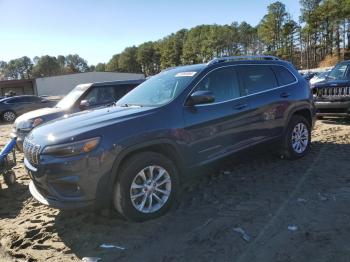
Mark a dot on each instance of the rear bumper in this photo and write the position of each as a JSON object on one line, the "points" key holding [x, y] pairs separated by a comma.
{"points": [[332, 108]]}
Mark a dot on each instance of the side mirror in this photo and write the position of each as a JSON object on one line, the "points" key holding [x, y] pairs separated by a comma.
{"points": [[200, 97], [84, 104]]}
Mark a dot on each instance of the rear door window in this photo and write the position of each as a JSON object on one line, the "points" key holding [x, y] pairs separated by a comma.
{"points": [[257, 78], [284, 76], [19, 100]]}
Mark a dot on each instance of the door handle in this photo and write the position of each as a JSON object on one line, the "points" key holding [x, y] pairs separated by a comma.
{"points": [[285, 95], [240, 106]]}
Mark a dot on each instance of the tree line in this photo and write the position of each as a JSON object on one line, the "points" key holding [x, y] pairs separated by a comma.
{"points": [[322, 31], [25, 68]]}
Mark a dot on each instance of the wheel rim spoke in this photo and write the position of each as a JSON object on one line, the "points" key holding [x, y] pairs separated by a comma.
{"points": [[163, 182], [160, 175], [133, 197], [142, 205], [136, 186], [164, 192], [150, 201], [143, 175], [151, 170], [157, 198]]}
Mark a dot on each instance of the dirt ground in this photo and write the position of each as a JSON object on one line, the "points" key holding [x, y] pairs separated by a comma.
{"points": [[289, 210]]}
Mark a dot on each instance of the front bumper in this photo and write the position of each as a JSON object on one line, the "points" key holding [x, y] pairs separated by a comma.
{"points": [[67, 183], [56, 203], [333, 108]]}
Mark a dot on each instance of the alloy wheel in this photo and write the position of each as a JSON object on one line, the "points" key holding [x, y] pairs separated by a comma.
{"points": [[9, 116], [300, 138], [150, 189]]}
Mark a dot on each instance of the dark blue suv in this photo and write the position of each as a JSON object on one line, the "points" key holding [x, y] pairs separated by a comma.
{"points": [[133, 155]]}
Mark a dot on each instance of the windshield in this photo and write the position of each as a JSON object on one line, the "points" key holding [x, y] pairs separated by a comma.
{"points": [[339, 72], [70, 99], [159, 89]]}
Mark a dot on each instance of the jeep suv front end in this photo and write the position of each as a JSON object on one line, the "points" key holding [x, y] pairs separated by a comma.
{"points": [[332, 96]]}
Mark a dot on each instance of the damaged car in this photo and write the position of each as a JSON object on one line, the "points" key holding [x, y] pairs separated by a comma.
{"points": [[133, 156]]}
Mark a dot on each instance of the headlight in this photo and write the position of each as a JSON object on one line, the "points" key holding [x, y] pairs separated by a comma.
{"points": [[28, 124], [37, 121], [72, 149]]}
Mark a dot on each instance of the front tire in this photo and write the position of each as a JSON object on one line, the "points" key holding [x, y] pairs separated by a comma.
{"points": [[146, 187], [297, 138]]}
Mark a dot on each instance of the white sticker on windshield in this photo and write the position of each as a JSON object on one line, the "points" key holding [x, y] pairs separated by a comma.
{"points": [[185, 74]]}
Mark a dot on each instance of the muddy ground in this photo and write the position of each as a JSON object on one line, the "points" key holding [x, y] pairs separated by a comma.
{"points": [[254, 191]]}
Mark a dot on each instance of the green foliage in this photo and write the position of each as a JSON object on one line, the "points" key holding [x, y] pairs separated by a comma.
{"points": [[20, 68], [127, 61], [271, 26], [100, 67], [113, 63], [75, 64], [171, 49], [148, 56], [46, 66]]}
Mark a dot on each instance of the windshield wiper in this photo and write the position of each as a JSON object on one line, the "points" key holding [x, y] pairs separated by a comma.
{"points": [[129, 105]]}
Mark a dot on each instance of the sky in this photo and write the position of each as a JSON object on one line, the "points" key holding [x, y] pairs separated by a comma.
{"points": [[98, 29]]}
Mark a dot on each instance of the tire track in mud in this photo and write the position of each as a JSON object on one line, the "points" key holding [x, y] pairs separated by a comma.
{"points": [[321, 137], [252, 192]]}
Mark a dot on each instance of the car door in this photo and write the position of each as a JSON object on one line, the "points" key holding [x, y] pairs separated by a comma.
{"points": [[267, 97], [20, 105], [217, 128], [35, 103]]}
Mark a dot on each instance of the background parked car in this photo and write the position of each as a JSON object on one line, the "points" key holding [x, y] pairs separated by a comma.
{"points": [[332, 96], [319, 77], [308, 75], [11, 107], [82, 97]]}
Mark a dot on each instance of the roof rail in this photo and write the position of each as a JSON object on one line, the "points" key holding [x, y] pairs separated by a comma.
{"points": [[237, 58]]}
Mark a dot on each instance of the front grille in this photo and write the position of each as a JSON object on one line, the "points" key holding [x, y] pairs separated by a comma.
{"points": [[333, 92], [31, 152]]}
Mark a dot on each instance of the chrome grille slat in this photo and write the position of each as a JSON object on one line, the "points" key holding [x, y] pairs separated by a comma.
{"points": [[31, 152], [334, 92]]}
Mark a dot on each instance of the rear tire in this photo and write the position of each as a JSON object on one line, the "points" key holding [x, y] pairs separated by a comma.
{"points": [[9, 116], [297, 138], [146, 187], [10, 178]]}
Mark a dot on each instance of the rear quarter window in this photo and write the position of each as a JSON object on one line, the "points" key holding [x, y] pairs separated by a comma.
{"points": [[284, 76], [257, 78]]}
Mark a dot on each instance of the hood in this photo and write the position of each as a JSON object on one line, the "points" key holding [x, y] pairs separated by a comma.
{"points": [[75, 126], [331, 83], [47, 114]]}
